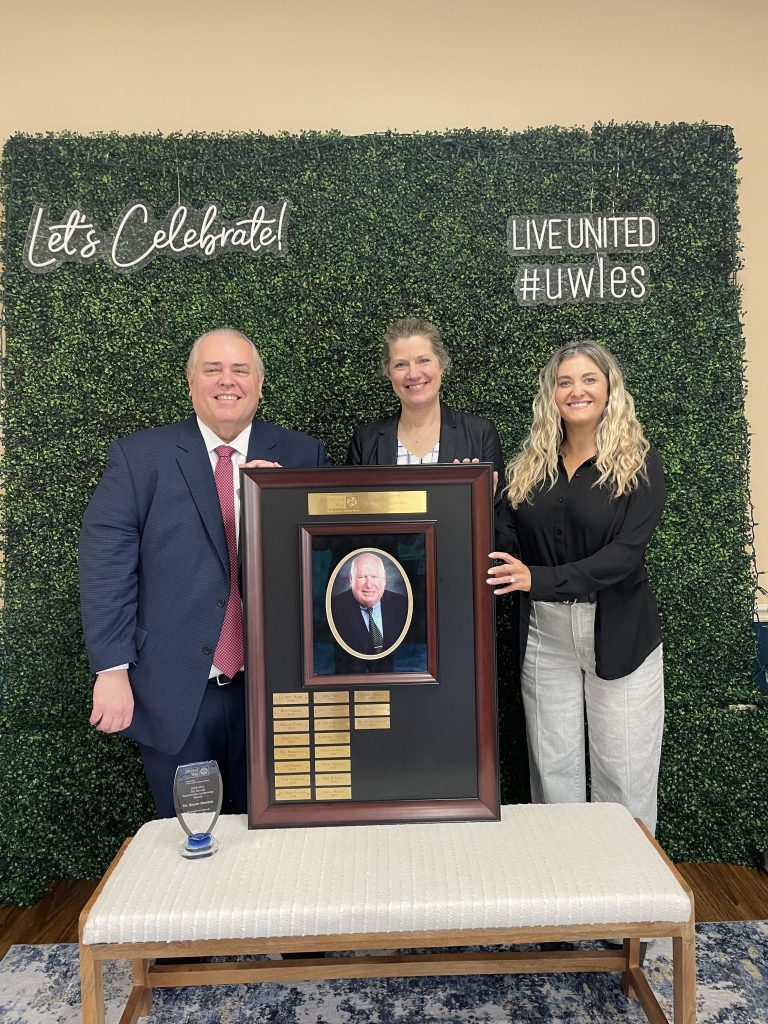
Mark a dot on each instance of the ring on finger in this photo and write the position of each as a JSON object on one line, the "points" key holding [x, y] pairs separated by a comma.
{"points": [[511, 579]]}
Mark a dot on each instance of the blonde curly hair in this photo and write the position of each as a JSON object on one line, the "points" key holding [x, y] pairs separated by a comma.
{"points": [[621, 444]]}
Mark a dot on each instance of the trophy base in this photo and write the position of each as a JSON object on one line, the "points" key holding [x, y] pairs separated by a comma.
{"points": [[201, 844]]}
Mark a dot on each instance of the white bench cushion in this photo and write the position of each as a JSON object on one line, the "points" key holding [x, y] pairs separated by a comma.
{"points": [[563, 864]]}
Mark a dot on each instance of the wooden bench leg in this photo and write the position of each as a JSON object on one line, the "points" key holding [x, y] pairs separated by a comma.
{"points": [[684, 976], [632, 955], [141, 990], [91, 987]]}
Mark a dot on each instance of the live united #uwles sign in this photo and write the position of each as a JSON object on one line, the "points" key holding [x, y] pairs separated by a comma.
{"points": [[598, 234], [138, 236]]}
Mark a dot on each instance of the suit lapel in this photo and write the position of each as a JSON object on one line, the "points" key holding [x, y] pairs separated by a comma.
{"points": [[386, 445], [195, 465], [263, 442], [447, 434]]}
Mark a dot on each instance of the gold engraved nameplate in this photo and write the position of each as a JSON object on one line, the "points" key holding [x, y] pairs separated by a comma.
{"points": [[334, 779], [292, 780], [335, 793], [332, 697], [331, 737], [291, 711], [372, 709], [293, 794], [286, 739], [291, 725], [333, 752], [371, 696], [371, 723], [284, 767], [291, 753], [332, 766], [290, 698], [355, 503], [331, 711], [329, 724]]}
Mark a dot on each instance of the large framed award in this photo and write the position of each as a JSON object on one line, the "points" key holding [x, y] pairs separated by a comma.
{"points": [[370, 645]]}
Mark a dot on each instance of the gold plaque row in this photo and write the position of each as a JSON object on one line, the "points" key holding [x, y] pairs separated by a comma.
{"points": [[355, 503]]}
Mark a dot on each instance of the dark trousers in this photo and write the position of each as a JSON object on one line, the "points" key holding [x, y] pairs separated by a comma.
{"points": [[217, 735]]}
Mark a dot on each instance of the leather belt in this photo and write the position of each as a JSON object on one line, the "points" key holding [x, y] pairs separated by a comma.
{"points": [[585, 599], [224, 680]]}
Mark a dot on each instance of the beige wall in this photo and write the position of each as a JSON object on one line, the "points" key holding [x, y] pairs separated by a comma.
{"points": [[410, 65]]}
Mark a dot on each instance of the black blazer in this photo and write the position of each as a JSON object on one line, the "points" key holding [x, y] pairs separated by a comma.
{"points": [[462, 436]]}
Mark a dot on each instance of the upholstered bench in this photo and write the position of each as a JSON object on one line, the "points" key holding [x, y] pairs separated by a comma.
{"points": [[542, 874]]}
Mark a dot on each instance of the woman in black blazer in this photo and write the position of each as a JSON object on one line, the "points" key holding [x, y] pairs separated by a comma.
{"points": [[424, 431]]}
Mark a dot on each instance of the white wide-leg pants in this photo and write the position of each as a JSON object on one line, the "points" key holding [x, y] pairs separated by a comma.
{"points": [[625, 717]]}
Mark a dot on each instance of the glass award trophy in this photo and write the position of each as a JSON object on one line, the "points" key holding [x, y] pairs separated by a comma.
{"points": [[197, 793]]}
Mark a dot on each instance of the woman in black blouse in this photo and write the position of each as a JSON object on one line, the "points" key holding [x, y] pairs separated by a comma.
{"points": [[585, 495], [424, 430]]}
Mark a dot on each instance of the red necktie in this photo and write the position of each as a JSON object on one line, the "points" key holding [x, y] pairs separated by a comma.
{"points": [[229, 650]]}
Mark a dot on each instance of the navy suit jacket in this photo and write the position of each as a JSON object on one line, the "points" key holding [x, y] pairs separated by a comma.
{"points": [[352, 628], [154, 569]]}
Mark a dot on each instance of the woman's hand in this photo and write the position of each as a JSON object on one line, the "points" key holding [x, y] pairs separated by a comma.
{"points": [[495, 473], [511, 575]]}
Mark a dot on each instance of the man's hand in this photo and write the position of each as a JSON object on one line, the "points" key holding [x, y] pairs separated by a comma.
{"points": [[260, 464], [112, 701]]}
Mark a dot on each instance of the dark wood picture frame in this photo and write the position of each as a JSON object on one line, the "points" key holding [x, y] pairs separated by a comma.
{"points": [[348, 530], [432, 755]]}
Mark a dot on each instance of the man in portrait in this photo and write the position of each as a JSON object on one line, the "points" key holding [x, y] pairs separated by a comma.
{"points": [[368, 617], [159, 571]]}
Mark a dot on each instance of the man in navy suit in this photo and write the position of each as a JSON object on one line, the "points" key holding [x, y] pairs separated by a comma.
{"points": [[155, 575], [369, 618]]}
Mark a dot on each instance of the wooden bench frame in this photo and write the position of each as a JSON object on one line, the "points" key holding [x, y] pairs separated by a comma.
{"points": [[148, 975]]}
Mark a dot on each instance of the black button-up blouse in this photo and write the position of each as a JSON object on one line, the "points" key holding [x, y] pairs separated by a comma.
{"points": [[578, 541]]}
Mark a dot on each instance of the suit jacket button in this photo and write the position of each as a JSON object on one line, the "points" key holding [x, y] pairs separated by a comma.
{"points": [[206, 650], [220, 604]]}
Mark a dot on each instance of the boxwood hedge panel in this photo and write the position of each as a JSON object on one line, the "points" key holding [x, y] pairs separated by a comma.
{"points": [[380, 227]]}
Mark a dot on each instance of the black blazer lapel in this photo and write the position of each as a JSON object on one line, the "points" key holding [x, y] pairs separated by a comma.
{"points": [[447, 434], [386, 444], [195, 465]]}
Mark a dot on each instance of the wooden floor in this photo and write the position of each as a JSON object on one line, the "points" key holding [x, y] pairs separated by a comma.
{"points": [[723, 892]]}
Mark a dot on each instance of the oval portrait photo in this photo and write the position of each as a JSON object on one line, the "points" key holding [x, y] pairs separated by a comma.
{"points": [[369, 603]]}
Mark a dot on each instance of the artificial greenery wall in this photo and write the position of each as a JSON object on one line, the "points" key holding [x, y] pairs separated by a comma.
{"points": [[380, 227]]}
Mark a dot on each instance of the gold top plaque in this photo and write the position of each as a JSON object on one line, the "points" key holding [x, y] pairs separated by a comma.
{"points": [[290, 698], [332, 697], [332, 711], [371, 696], [355, 503]]}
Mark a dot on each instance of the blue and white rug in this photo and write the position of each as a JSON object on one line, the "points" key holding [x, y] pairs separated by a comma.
{"points": [[39, 985]]}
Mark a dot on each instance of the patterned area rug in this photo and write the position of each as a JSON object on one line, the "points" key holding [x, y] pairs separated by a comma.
{"points": [[39, 985]]}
